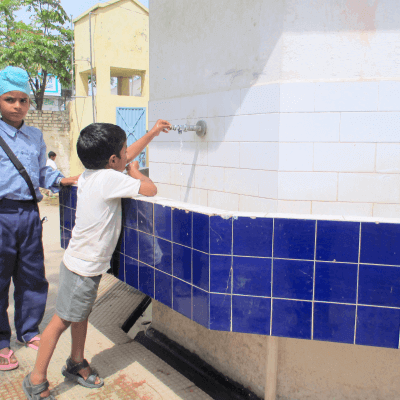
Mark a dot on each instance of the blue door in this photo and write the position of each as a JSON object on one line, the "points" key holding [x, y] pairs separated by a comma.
{"points": [[133, 122]]}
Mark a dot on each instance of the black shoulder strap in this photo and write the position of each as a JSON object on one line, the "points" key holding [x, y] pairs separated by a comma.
{"points": [[21, 169]]}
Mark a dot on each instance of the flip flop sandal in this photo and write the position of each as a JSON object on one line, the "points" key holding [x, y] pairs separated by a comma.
{"points": [[10, 365], [29, 344], [70, 371], [33, 392]]}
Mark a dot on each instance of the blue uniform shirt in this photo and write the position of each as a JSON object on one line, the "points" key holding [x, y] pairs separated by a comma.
{"points": [[28, 145]]}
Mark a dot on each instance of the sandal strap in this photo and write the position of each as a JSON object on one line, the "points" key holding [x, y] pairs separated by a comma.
{"points": [[91, 379], [74, 368], [38, 389], [8, 356]]}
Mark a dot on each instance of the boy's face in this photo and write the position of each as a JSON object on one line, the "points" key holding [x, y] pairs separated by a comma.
{"points": [[119, 164], [14, 106]]}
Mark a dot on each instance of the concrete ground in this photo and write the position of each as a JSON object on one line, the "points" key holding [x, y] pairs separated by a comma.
{"points": [[130, 371]]}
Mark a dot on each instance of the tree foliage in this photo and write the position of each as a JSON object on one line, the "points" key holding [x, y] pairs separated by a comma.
{"points": [[42, 47]]}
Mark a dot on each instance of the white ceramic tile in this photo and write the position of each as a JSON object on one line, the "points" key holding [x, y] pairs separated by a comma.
{"points": [[183, 175], [194, 196], [386, 210], [344, 157], [346, 96], [168, 109], [295, 157], [307, 186], [369, 188], [223, 201], [269, 127], [194, 106], [389, 96], [257, 155], [223, 104], [215, 130], [388, 158], [160, 172], [168, 191], [309, 127], [167, 152], [256, 204], [370, 127], [294, 207], [209, 178], [243, 128], [223, 154], [341, 208], [241, 181], [260, 99], [195, 153], [268, 184], [297, 97]]}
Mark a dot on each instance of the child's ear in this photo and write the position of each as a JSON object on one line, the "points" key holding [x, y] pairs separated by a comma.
{"points": [[111, 161]]}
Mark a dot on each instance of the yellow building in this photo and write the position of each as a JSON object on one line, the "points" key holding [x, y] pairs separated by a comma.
{"points": [[112, 46]]}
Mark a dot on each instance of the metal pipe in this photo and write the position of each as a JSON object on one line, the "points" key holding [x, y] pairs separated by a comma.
{"points": [[91, 65], [200, 128]]}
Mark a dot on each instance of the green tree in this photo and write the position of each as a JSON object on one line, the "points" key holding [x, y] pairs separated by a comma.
{"points": [[42, 47]]}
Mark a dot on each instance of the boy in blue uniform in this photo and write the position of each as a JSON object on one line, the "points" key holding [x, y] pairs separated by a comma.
{"points": [[21, 248]]}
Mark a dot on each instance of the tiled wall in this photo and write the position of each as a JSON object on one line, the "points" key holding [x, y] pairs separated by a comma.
{"points": [[330, 280], [309, 148]]}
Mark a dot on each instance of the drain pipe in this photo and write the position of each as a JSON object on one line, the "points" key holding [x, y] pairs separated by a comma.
{"points": [[91, 64], [272, 368]]}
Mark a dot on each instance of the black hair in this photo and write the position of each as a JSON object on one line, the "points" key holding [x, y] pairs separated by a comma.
{"points": [[98, 142], [51, 154]]}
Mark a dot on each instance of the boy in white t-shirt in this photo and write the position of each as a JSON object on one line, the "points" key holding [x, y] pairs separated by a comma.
{"points": [[102, 150]]}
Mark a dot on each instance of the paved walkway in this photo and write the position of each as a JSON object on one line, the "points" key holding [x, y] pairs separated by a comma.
{"points": [[130, 370]]}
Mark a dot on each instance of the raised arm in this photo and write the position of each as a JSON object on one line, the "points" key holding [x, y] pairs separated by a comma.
{"points": [[136, 148], [147, 187]]}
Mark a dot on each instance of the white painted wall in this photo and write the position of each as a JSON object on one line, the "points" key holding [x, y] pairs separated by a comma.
{"points": [[301, 99]]}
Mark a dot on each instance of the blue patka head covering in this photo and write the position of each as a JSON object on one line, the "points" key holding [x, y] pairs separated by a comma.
{"points": [[14, 78]]}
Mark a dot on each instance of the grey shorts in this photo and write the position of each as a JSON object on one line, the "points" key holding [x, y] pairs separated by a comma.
{"points": [[76, 295]]}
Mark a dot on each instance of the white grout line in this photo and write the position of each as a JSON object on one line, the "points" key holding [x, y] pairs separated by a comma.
{"points": [[358, 276]]}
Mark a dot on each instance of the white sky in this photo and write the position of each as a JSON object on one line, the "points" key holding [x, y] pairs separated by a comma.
{"points": [[77, 7]]}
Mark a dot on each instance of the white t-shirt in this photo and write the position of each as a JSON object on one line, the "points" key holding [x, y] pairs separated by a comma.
{"points": [[98, 220], [51, 163]]}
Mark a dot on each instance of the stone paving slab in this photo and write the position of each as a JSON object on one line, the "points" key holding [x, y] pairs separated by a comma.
{"points": [[130, 371]]}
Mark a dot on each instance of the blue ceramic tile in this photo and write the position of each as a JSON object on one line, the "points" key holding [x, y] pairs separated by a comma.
{"points": [[74, 196], [201, 232], [252, 237], [61, 196], [131, 243], [182, 227], [201, 270], [293, 279], [220, 312], [201, 307], [220, 235], [251, 314], [162, 221], [120, 247], [61, 212], [294, 238], [62, 238], [145, 217], [338, 241], [121, 266], [182, 298], [73, 216], [252, 276], [378, 327], [67, 237], [146, 248], [182, 263], [380, 243], [220, 274], [291, 318], [68, 218], [163, 284], [163, 255], [132, 272], [379, 285], [336, 282], [129, 207], [66, 196], [146, 279], [334, 322]]}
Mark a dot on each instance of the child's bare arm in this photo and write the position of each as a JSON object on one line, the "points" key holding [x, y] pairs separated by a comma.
{"points": [[147, 187], [135, 148]]}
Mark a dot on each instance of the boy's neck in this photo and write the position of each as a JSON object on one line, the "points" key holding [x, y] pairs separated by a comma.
{"points": [[15, 125]]}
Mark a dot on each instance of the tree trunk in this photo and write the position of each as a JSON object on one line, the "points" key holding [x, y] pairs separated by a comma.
{"points": [[39, 95]]}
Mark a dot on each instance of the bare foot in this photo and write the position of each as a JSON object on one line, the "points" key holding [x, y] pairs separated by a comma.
{"points": [[4, 361], [34, 342]]}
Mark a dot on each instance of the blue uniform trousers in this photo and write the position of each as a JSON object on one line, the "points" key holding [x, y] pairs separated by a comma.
{"points": [[21, 257]]}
